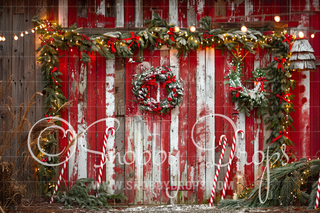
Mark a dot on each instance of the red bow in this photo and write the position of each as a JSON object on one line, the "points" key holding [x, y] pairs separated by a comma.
{"points": [[236, 89], [110, 42], [261, 80], [281, 134], [284, 97], [48, 116], [134, 39], [288, 39], [170, 33], [54, 69], [168, 81], [280, 62]]}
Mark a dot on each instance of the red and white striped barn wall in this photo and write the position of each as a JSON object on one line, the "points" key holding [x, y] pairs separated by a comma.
{"points": [[158, 150]]}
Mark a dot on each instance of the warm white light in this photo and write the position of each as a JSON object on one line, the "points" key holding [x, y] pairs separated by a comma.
{"points": [[32, 30], [26, 32], [277, 18], [192, 29], [15, 37], [301, 34], [312, 35], [176, 29], [0, 38], [244, 29], [21, 34], [3, 38]]}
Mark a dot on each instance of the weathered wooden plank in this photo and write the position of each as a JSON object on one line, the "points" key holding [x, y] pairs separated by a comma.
{"points": [[138, 140], [129, 135], [77, 82], [165, 136], [200, 10], [110, 14], [120, 134], [250, 125], [192, 110], [148, 139], [129, 13], [138, 13], [173, 12], [72, 12], [101, 106], [191, 13], [63, 13], [156, 137], [82, 17], [91, 13], [147, 10], [248, 9], [101, 12], [174, 158], [63, 68], [18, 82], [200, 129], [110, 113], [183, 127], [91, 114], [235, 11], [119, 13], [210, 121], [182, 15]]}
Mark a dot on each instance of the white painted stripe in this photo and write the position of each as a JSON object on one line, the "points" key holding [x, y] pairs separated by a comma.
{"points": [[82, 125], [305, 115], [101, 10], [63, 13], [119, 13], [174, 161], [139, 13], [173, 12], [210, 121], [110, 112], [138, 141], [200, 132]]}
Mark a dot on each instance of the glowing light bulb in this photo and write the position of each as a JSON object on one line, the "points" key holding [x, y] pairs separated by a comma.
{"points": [[26, 32], [192, 29], [176, 29], [21, 34], [301, 34], [244, 29], [277, 18], [15, 37], [32, 30], [312, 35]]}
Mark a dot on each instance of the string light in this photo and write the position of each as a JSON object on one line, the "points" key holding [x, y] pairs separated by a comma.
{"points": [[277, 18], [312, 35], [15, 37], [26, 32], [301, 34], [176, 29], [244, 29], [21, 34], [32, 30], [192, 29]]}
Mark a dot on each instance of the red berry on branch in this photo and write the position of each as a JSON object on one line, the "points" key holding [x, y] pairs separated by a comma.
{"points": [[175, 95], [169, 99], [174, 89], [163, 72]]}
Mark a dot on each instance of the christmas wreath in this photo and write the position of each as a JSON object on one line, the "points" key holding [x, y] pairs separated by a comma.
{"points": [[247, 99], [141, 90]]}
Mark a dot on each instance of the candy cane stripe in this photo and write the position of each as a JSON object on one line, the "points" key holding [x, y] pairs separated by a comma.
{"points": [[318, 193]]}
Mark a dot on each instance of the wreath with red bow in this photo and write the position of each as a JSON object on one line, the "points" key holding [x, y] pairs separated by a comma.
{"points": [[153, 77]]}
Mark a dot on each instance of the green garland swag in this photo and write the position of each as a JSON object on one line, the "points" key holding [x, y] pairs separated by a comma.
{"points": [[158, 33], [141, 90]]}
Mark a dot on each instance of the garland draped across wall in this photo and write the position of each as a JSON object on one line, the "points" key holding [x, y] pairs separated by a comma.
{"points": [[277, 81]]}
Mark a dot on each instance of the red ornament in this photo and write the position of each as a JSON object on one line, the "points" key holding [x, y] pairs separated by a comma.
{"points": [[175, 95], [169, 99], [174, 90], [163, 72]]}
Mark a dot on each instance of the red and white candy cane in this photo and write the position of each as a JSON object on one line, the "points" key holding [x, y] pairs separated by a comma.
{"points": [[218, 168], [318, 194], [62, 170], [233, 147], [105, 140]]}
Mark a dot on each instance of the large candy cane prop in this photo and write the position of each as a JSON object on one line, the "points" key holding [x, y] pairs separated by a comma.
{"points": [[230, 161], [103, 156], [62, 170], [218, 168], [318, 193]]}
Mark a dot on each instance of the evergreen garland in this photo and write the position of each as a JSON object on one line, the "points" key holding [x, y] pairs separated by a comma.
{"points": [[158, 33]]}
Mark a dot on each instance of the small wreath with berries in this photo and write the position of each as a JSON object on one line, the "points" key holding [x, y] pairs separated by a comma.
{"points": [[141, 90]]}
